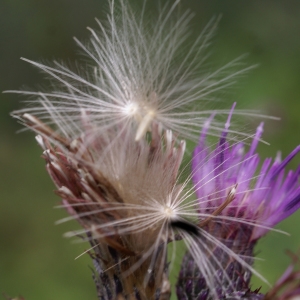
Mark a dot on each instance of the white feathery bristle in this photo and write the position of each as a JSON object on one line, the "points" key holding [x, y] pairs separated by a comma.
{"points": [[140, 74]]}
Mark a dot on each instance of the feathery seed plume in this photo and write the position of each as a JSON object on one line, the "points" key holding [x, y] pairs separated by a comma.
{"points": [[139, 72]]}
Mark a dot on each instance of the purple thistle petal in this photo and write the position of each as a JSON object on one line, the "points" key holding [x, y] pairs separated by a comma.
{"points": [[286, 161], [294, 204], [266, 199], [263, 196]]}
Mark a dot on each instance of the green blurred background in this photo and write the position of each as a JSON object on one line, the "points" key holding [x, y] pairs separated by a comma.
{"points": [[35, 260]]}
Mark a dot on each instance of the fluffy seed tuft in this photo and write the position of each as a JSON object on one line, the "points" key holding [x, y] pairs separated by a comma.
{"points": [[139, 72]]}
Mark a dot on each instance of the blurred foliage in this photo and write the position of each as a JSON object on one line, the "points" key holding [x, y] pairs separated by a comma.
{"points": [[35, 261]]}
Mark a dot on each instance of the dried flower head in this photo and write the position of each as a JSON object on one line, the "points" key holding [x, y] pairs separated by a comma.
{"points": [[261, 200], [125, 194]]}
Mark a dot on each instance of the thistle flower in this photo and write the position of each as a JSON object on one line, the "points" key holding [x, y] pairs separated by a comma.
{"points": [[137, 73], [261, 200]]}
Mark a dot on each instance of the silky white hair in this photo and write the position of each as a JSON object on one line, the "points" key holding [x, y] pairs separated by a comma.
{"points": [[138, 71]]}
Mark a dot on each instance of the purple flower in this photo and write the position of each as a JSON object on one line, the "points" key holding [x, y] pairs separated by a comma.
{"points": [[244, 201], [263, 195]]}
